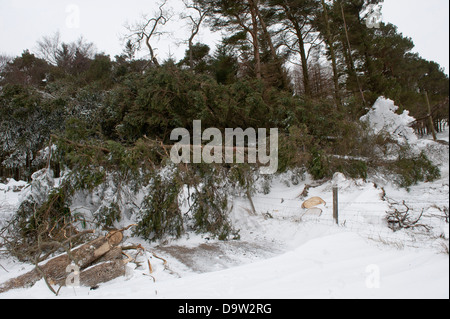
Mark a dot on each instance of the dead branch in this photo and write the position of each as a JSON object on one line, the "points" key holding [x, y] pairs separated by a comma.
{"points": [[146, 30], [3, 268], [195, 23], [398, 220]]}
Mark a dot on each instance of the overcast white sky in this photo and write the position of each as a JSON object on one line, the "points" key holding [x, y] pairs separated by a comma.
{"points": [[23, 22]]}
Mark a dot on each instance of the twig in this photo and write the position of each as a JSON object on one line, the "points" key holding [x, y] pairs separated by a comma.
{"points": [[401, 220], [150, 268], [4, 268], [165, 261], [42, 273]]}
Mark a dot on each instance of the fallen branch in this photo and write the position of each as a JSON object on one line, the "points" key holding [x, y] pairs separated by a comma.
{"points": [[79, 145], [3, 268], [398, 220]]}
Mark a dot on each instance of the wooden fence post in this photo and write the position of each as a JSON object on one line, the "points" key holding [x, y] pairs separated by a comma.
{"points": [[335, 204]]}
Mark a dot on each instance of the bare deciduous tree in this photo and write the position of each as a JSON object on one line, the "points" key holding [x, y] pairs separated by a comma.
{"points": [[48, 47], [195, 22], [4, 60], [146, 29], [53, 50]]}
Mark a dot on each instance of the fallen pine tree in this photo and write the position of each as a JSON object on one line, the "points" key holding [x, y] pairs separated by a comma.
{"points": [[95, 262]]}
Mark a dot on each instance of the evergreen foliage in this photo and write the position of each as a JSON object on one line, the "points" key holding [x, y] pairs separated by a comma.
{"points": [[98, 119]]}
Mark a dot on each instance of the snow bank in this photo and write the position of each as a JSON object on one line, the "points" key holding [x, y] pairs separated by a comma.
{"points": [[340, 265], [11, 195]]}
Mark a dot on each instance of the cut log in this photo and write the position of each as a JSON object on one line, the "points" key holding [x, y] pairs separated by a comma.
{"points": [[102, 273], [83, 256], [313, 202]]}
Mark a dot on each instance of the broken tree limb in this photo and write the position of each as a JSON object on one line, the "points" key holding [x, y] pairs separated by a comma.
{"points": [[85, 256], [79, 145]]}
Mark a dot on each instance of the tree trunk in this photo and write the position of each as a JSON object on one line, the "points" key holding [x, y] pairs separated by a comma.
{"points": [[153, 59], [102, 273], [191, 55], [301, 46], [337, 95], [306, 81], [430, 117], [352, 65], [255, 39], [273, 51]]}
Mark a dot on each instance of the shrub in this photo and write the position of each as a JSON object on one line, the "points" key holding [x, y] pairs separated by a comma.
{"points": [[37, 227], [210, 206], [351, 167], [412, 170], [318, 165], [161, 215]]}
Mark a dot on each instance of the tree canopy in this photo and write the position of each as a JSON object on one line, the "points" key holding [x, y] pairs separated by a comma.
{"points": [[310, 68]]}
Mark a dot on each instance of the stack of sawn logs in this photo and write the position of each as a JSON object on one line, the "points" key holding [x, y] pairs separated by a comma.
{"points": [[99, 261]]}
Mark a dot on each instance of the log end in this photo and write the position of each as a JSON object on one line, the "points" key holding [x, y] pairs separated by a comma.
{"points": [[115, 238]]}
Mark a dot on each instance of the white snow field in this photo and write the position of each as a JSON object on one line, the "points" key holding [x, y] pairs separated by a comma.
{"points": [[285, 253]]}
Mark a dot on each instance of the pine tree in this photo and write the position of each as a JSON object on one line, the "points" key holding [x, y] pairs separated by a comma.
{"points": [[239, 18], [296, 16]]}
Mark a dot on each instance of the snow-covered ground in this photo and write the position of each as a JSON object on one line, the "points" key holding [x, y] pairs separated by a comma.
{"points": [[285, 253]]}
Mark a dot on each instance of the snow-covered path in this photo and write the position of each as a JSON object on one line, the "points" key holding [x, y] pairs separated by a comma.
{"points": [[339, 265]]}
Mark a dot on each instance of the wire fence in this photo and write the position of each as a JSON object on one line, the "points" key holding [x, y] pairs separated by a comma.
{"points": [[370, 219]]}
